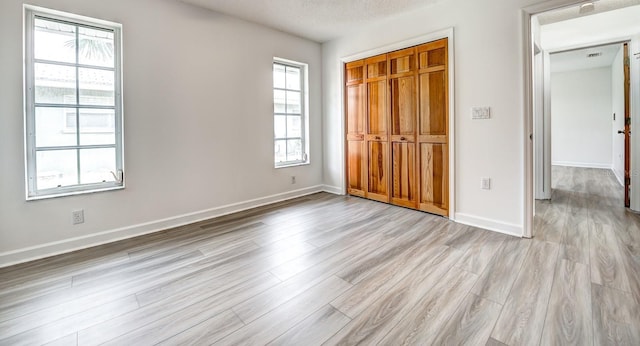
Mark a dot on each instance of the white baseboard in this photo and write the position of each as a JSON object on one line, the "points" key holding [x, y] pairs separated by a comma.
{"points": [[95, 239], [581, 164], [333, 189], [492, 225], [619, 177]]}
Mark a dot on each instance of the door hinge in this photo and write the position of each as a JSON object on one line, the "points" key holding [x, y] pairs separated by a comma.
{"points": [[627, 181], [627, 61], [627, 120]]}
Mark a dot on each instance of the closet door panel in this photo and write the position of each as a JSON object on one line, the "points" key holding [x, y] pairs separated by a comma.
{"points": [[356, 128], [376, 102], [433, 103], [378, 171], [355, 110], [433, 168], [356, 170], [404, 182], [403, 106], [433, 125]]}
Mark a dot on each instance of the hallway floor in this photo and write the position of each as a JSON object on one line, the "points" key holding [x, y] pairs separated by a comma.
{"points": [[598, 255]]}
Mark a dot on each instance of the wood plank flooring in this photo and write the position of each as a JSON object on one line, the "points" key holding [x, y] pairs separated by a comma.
{"points": [[336, 270]]}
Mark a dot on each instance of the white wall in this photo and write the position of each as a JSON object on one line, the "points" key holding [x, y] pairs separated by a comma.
{"points": [[581, 119], [617, 105], [488, 72], [198, 125]]}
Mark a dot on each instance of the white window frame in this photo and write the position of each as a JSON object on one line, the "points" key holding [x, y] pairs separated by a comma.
{"points": [[304, 114], [32, 193]]}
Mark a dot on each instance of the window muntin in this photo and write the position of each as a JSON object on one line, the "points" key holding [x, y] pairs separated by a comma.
{"points": [[73, 104], [289, 117]]}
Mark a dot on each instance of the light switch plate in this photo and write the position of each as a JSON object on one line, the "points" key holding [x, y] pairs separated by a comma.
{"points": [[480, 112], [485, 183]]}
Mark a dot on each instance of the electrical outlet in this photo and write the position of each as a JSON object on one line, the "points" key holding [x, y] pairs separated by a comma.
{"points": [[77, 216], [480, 112], [293, 179], [485, 183]]}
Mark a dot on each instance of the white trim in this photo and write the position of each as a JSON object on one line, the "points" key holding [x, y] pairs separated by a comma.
{"points": [[68, 245], [437, 35], [582, 164], [336, 190], [527, 128], [619, 178], [489, 224]]}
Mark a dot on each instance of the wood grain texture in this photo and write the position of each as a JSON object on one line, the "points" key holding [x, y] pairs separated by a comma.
{"points": [[315, 329], [496, 280], [494, 342], [430, 313], [471, 324], [189, 321], [568, 319], [380, 318], [575, 242], [281, 319], [205, 332], [481, 252], [522, 319], [607, 267], [69, 340], [219, 296], [185, 284], [613, 316], [405, 160], [404, 183], [551, 226]]}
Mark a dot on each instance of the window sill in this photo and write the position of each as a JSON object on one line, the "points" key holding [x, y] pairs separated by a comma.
{"points": [[287, 165], [74, 193]]}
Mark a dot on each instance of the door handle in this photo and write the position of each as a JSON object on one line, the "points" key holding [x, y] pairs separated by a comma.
{"points": [[403, 139], [620, 131]]}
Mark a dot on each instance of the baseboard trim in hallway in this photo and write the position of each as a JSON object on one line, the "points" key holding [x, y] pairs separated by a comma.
{"points": [[489, 224]]}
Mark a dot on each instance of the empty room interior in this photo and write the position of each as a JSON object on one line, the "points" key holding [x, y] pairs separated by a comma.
{"points": [[315, 172]]}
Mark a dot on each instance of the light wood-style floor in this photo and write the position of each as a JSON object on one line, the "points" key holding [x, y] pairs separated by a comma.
{"points": [[327, 269]]}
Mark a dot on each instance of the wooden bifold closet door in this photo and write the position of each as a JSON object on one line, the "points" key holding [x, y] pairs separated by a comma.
{"points": [[397, 127]]}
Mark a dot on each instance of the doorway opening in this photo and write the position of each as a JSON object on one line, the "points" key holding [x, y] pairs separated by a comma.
{"points": [[578, 113]]}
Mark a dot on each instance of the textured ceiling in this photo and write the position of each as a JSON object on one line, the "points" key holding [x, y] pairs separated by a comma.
{"points": [[318, 20], [574, 11], [578, 60]]}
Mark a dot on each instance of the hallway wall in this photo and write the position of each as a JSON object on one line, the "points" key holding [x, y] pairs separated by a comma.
{"points": [[581, 118]]}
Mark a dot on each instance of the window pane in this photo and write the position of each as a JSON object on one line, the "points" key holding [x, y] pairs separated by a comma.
{"points": [[281, 151], [280, 126], [55, 126], [55, 84], [278, 101], [294, 150], [56, 168], [278, 76], [96, 47], [97, 126], [96, 165], [54, 41], [96, 87], [293, 102], [293, 78], [294, 126]]}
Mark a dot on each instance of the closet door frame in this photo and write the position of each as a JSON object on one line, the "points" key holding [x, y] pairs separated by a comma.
{"points": [[449, 35]]}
